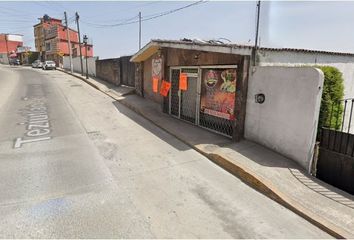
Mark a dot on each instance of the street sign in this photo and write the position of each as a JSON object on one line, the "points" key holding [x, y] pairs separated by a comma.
{"points": [[61, 54]]}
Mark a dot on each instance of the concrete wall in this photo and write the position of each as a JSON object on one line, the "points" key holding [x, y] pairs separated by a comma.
{"points": [[3, 58], [287, 121], [91, 62], [127, 70], [116, 70], [108, 70]]}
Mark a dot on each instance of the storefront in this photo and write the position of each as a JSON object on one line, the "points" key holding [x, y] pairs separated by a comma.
{"points": [[204, 95], [204, 88]]}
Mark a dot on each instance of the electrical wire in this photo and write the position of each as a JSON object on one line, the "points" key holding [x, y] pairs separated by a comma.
{"points": [[123, 22], [124, 10], [174, 10], [147, 18]]}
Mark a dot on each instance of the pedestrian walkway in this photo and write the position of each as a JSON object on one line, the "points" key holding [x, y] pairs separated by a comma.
{"points": [[270, 173]]}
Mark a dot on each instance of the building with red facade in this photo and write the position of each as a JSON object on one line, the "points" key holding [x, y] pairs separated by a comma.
{"points": [[39, 34], [8, 46], [53, 41]]}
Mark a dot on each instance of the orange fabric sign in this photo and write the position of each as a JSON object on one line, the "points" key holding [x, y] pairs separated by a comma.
{"points": [[165, 87], [183, 81], [155, 84]]}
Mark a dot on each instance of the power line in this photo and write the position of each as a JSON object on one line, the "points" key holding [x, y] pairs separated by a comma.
{"points": [[149, 17], [153, 16], [123, 22]]}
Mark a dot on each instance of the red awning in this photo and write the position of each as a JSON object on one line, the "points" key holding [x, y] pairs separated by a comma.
{"points": [[13, 55]]}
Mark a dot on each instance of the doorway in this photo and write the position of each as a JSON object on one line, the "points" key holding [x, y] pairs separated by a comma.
{"points": [[183, 104], [209, 98]]}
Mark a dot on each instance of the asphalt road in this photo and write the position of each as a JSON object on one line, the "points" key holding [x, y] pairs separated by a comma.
{"points": [[76, 164]]}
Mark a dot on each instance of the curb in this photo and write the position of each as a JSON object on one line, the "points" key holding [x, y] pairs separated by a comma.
{"points": [[246, 176]]}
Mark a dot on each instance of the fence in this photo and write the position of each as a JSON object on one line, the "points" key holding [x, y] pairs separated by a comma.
{"points": [[117, 70], [336, 158], [91, 62]]}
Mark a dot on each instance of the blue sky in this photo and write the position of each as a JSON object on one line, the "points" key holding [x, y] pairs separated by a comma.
{"points": [[311, 25]]}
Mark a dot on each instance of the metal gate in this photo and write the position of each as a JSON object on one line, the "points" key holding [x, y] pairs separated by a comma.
{"points": [[174, 96], [183, 104], [186, 105], [336, 156]]}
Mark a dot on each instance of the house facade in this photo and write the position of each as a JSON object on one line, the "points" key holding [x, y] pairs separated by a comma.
{"points": [[216, 86], [56, 44], [8, 46], [210, 82], [39, 31], [52, 42]]}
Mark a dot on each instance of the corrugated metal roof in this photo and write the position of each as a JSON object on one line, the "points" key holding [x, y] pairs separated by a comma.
{"points": [[232, 45]]}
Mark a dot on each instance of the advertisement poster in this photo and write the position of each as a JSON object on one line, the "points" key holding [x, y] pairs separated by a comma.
{"points": [[165, 87], [218, 93], [183, 81]]}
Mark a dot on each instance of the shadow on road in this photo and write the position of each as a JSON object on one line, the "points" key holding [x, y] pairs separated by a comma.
{"points": [[146, 124]]}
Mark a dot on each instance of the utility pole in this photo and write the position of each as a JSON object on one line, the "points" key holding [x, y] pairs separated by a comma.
{"points": [[139, 30], [78, 30], [85, 41], [69, 43], [254, 53]]}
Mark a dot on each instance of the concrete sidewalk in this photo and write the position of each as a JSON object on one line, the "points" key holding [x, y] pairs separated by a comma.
{"points": [[281, 179]]}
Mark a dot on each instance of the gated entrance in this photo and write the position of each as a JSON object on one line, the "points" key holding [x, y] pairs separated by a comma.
{"points": [[209, 98], [183, 104], [336, 157]]}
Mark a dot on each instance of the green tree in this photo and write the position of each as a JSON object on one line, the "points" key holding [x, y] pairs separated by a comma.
{"points": [[333, 92], [32, 57]]}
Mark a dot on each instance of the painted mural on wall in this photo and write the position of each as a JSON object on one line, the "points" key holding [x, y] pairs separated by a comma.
{"points": [[156, 71], [218, 92]]}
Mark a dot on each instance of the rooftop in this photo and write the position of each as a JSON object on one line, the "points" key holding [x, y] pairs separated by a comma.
{"points": [[215, 46]]}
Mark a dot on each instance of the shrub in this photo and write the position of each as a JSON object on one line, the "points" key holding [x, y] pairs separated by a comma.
{"points": [[333, 91]]}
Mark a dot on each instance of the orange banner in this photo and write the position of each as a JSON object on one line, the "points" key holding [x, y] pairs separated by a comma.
{"points": [[155, 84], [165, 87], [183, 81]]}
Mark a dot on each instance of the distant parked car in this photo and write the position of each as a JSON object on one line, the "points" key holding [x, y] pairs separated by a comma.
{"points": [[37, 64], [15, 61], [49, 65]]}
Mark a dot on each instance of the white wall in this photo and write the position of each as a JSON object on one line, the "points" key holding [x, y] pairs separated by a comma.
{"points": [[3, 58], [91, 61], [14, 37], [287, 121]]}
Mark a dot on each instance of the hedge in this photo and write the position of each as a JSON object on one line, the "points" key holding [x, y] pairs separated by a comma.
{"points": [[333, 92]]}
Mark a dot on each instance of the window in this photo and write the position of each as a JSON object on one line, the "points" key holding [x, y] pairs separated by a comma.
{"points": [[74, 52], [47, 46]]}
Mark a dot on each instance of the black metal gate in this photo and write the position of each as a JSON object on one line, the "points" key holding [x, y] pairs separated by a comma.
{"points": [[184, 103], [336, 157], [174, 99]]}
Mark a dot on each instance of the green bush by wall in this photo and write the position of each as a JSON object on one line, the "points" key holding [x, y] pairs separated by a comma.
{"points": [[333, 92]]}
